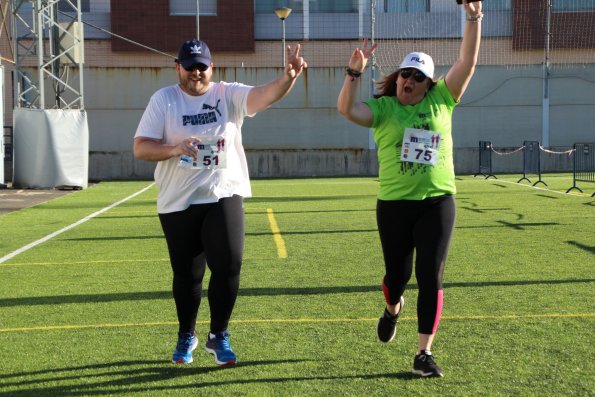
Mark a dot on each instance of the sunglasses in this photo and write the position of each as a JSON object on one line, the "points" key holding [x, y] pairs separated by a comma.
{"points": [[417, 75], [200, 66]]}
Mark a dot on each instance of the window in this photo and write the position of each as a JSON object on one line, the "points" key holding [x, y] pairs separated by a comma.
{"points": [[573, 5], [334, 6], [497, 5], [403, 5], [268, 6], [67, 6], [188, 7]]}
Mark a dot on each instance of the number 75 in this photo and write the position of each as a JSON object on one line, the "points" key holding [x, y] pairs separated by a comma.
{"points": [[427, 154]]}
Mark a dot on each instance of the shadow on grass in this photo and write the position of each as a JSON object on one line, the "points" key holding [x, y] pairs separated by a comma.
{"points": [[515, 226], [254, 212], [284, 199], [311, 232], [548, 196], [582, 246], [485, 210], [124, 216], [161, 237], [90, 204], [114, 238], [523, 226], [127, 377], [304, 291]]}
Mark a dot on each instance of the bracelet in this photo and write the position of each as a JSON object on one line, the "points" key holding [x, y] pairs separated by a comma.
{"points": [[475, 18], [353, 73]]}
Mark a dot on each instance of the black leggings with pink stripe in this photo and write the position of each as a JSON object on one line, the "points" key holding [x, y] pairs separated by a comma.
{"points": [[424, 227]]}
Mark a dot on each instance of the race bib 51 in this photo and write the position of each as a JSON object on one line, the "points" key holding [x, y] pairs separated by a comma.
{"points": [[211, 154]]}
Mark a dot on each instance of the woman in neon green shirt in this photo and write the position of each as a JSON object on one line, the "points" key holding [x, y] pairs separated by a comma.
{"points": [[411, 118]]}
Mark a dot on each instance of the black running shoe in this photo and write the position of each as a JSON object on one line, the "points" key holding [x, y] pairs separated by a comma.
{"points": [[387, 324], [425, 366]]}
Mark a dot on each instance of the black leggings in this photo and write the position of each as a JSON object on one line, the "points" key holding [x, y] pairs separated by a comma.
{"points": [[426, 227], [204, 234]]}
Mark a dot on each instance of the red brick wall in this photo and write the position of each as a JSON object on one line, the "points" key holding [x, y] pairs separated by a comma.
{"points": [[148, 22], [568, 30]]}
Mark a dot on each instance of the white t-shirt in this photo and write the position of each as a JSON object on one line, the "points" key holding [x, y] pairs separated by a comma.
{"points": [[172, 116]]}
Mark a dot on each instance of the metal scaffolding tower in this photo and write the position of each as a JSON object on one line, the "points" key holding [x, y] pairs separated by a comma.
{"points": [[49, 53]]}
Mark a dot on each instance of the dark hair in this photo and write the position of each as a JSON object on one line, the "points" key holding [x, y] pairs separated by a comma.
{"points": [[387, 86]]}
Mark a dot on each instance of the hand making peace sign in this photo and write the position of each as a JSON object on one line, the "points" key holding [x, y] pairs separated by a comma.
{"points": [[359, 58], [295, 63]]}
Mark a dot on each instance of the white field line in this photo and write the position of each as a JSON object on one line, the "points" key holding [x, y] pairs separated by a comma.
{"points": [[538, 188], [56, 233]]}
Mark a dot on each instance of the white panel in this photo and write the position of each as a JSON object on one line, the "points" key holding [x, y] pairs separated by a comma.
{"points": [[2, 154], [74, 39], [51, 148]]}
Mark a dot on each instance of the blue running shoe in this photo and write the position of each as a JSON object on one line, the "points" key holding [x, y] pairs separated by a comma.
{"points": [[219, 347], [186, 344]]}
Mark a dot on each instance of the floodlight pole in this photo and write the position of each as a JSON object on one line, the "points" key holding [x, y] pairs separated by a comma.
{"points": [[371, 142], [283, 45], [54, 42], [197, 22], [545, 116], [282, 13]]}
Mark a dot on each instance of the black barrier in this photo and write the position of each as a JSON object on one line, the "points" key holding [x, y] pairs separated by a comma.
{"points": [[531, 161], [584, 165], [485, 159], [8, 142]]}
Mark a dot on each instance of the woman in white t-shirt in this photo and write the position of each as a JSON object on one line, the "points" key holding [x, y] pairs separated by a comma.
{"points": [[193, 131]]}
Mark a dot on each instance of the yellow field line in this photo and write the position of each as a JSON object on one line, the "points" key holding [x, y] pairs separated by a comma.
{"points": [[298, 320], [85, 262], [83, 326], [281, 251]]}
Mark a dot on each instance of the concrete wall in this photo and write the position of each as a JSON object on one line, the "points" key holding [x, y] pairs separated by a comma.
{"points": [[303, 135]]}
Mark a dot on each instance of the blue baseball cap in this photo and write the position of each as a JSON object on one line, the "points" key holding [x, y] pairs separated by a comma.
{"points": [[193, 52]]}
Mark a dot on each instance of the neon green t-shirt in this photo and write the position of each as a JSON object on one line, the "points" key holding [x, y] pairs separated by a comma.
{"points": [[406, 180]]}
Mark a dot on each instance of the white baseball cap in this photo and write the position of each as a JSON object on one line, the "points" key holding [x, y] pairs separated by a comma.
{"points": [[420, 61]]}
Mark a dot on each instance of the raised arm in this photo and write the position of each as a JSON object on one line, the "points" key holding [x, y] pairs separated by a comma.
{"points": [[459, 75], [262, 97], [353, 110]]}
